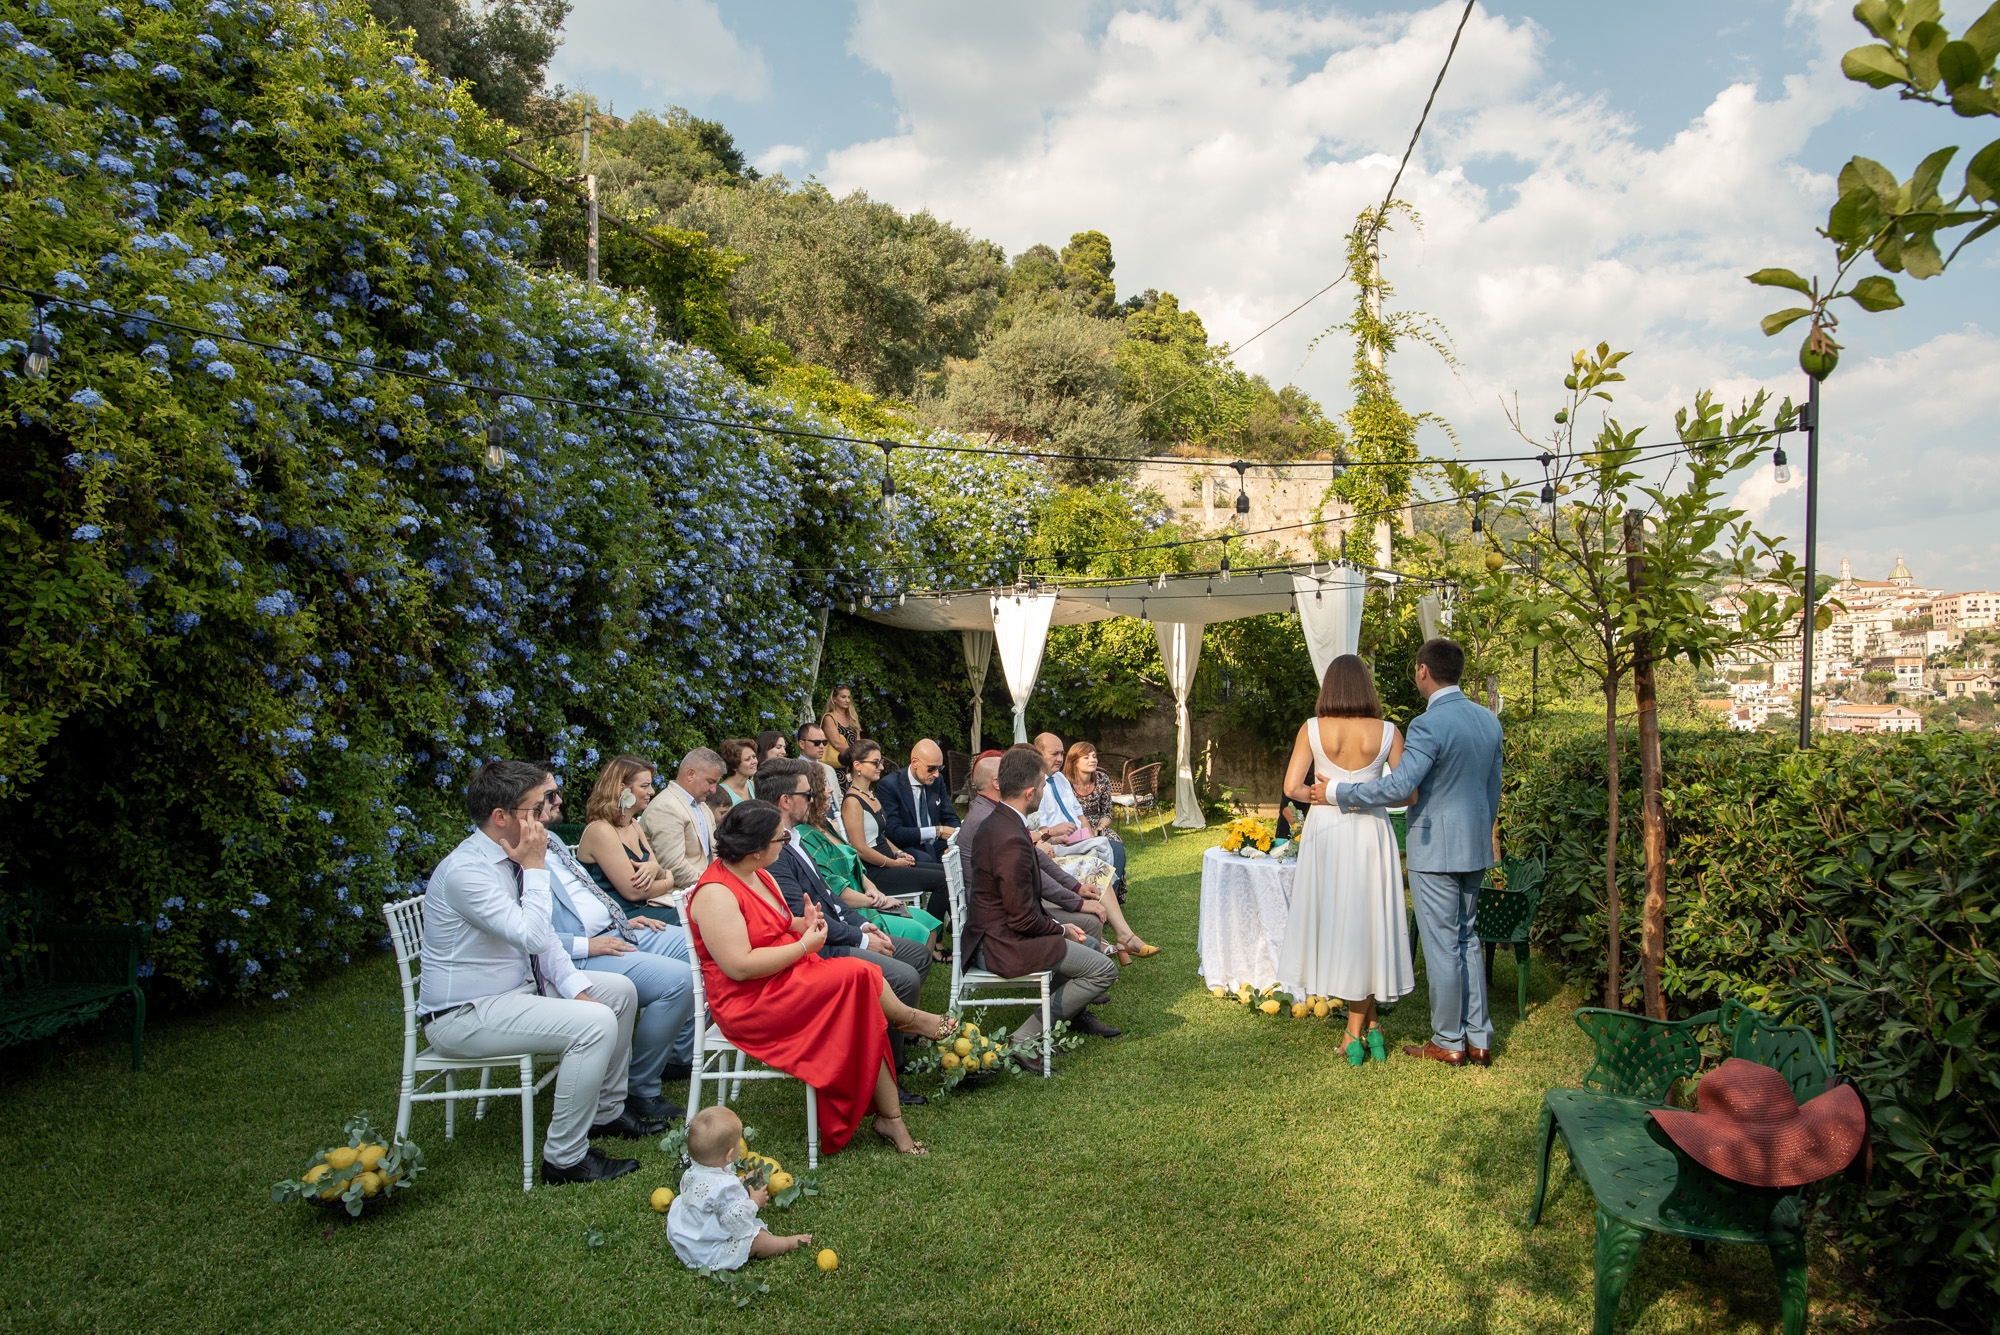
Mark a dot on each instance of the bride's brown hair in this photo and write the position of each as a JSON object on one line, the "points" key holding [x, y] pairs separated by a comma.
{"points": [[1348, 691]]}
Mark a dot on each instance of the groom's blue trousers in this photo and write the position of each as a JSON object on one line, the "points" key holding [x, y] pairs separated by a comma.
{"points": [[1454, 963]]}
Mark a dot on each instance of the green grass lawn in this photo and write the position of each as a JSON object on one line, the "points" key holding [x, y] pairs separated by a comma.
{"points": [[1210, 1171]]}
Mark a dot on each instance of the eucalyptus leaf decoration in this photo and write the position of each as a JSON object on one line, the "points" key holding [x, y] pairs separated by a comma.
{"points": [[1900, 223]]}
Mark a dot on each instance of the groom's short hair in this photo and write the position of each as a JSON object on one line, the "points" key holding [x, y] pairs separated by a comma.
{"points": [[1445, 660]]}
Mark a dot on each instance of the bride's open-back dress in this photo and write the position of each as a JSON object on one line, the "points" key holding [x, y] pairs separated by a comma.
{"points": [[1347, 934]]}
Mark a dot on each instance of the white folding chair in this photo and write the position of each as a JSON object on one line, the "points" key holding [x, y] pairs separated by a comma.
{"points": [[718, 1061], [406, 931], [982, 987]]}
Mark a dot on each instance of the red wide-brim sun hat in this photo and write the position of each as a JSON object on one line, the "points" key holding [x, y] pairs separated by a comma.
{"points": [[1749, 1128]]}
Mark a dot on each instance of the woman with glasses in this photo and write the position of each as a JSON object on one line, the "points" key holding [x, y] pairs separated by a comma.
{"points": [[840, 866], [889, 867], [739, 767], [613, 849], [823, 1021]]}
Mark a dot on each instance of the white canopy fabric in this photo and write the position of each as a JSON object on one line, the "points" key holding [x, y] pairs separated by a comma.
{"points": [[1180, 650], [1020, 630], [1330, 613], [978, 654], [1427, 615], [815, 646]]}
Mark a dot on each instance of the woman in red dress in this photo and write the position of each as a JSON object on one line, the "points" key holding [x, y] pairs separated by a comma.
{"points": [[824, 1021]]}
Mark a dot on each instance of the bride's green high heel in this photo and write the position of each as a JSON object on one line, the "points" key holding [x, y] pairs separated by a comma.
{"points": [[1375, 1045], [1356, 1050]]}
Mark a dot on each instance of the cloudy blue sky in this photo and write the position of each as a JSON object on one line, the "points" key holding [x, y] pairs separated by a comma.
{"points": [[1591, 172]]}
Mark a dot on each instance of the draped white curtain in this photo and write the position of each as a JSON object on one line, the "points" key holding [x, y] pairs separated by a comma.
{"points": [[978, 655], [1330, 614], [1020, 631], [1427, 615], [815, 646], [1180, 650]]}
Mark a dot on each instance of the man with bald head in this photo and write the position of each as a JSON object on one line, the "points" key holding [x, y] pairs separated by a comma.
{"points": [[917, 814]]}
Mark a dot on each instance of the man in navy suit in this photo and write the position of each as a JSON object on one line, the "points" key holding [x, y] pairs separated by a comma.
{"points": [[917, 814]]}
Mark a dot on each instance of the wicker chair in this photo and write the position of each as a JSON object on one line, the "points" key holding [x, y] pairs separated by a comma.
{"points": [[1142, 793]]}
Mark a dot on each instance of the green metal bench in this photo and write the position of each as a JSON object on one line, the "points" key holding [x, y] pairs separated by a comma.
{"points": [[1507, 916], [61, 976], [1644, 1183]]}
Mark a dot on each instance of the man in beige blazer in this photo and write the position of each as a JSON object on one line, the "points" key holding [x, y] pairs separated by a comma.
{"points": [[677, 822]]}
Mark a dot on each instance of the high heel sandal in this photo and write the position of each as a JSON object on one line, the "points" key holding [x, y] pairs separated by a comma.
{"points": [[1140, 950], [946, 1026], [1355, 1049], [1376, 1049], [917, 1147]]}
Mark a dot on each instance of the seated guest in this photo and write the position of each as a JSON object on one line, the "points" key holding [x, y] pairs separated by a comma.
{"points": [[739, 767], [1065, 898], [770, 745], [812, 746], [787, 785], [840, 867], [718, 802], [775, 996], [841, 721], [614, 849], [1059, 822], [495, 981], [897, 872], [1090, 786], [679, 824], [591, 923], [916, 811], [1006, 931]]}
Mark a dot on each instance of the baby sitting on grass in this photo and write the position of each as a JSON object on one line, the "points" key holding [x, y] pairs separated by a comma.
{"points": [[713, 1222]]}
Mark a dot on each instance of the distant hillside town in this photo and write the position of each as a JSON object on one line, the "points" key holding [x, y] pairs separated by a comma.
{"points": [[1895, 656]]}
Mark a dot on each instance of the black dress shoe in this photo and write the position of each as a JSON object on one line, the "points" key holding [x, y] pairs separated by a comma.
{"points": [[1031, 1063], [909, 1100], [1087, 1023], [676, 1071], [594, 1166], [626, 1126], [653, 1108]]}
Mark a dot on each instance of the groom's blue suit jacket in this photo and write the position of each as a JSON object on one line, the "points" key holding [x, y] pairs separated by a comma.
{"points": [[1451, 760]]}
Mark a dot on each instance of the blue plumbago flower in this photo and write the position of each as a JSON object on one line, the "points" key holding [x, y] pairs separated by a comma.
{"points": [[87, 398], [87, 533], [221, 370], [166, 71], [185, 622]]}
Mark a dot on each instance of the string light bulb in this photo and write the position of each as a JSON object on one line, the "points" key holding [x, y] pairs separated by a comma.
{"points": [[496, 447], [35, 364], [1548, 493], [1242, 493], [1782, 468], [1225, 561], [888, 480]]}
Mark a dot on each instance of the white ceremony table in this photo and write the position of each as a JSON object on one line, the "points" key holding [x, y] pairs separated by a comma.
{"points": [[1243, 906]]}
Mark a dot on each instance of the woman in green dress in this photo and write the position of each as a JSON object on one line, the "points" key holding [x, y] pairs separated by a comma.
{"points": [[840, 866]]}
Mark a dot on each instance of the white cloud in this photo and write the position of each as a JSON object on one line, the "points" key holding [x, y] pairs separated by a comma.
{"points": [[780, 157], [1226, 149], [678, 48]]}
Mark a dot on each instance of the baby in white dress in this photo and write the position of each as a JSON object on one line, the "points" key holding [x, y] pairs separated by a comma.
{"points": [[713, 1222]]}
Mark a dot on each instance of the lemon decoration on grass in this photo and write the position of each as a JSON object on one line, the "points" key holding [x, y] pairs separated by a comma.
{"points": [[963, 1047], [366, 1168], [780, 1180], [827, 1260], [342, 1157], [662, 1198]]}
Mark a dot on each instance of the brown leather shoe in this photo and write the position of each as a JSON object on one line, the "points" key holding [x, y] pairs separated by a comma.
{"points": [[1479, 1056], [1435, 1053]]}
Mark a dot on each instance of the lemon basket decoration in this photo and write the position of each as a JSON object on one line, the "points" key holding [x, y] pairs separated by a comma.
{"points": [[1247, 836], [1271, 1001], [968, 1052], [367, 1170], [754, 1169]]}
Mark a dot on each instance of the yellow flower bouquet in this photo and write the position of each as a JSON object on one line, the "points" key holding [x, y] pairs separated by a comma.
{"points": [[1248, 831]]}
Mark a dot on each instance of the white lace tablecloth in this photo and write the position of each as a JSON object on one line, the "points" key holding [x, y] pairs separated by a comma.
{"points": [[1243, 906]]}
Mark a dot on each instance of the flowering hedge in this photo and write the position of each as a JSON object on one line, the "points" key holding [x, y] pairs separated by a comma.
{"points": [[266, 607]]}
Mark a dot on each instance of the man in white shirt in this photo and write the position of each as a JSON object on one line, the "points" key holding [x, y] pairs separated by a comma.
{"points": [[496, 980], [1060, 816]]}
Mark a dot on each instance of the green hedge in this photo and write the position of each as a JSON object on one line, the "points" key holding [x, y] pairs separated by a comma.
{"points": [[1866, 870]]}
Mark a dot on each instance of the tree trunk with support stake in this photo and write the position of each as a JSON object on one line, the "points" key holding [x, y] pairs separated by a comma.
{"points": [[1611, 906], [1652, 809]]}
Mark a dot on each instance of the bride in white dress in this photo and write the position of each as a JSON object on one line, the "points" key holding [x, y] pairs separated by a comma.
{"points": [[1346, 935]]}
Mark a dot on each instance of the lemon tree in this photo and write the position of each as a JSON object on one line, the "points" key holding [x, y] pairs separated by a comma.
{"points": [[366, 1168]]}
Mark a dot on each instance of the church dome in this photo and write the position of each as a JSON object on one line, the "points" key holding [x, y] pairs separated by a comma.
{"points": [[1901, 574]]}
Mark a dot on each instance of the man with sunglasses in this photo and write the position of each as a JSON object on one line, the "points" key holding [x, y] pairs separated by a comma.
{"points": [[787, 785], [496, 980], [812, 747]]}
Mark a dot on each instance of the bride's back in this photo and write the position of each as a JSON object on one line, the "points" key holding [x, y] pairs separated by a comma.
{"points": [[1350, 743]]}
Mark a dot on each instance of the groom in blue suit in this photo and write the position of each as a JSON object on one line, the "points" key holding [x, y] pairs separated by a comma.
{"points": [[1451, 763]]}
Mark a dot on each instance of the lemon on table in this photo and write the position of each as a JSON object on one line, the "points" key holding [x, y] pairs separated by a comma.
{"points": [[343, 1157], [780, 1180], [827, 1260], [662, 1197]]}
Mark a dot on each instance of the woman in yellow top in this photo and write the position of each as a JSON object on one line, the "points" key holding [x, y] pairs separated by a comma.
{"points": [[840, 866], [841, 722]]}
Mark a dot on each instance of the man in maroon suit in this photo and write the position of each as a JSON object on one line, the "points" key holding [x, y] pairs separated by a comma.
{"points": [[1007, 932]]}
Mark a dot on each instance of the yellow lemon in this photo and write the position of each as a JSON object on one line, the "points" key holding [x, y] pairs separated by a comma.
{"points": [[780, 1180], [372, 1155], [949, 1060], [992, 1058], [827, 1260], [332, 1193], [742, 1148], [662, 1198], [343, 1157], [962, 1047], [972, 1031], [371, 1184], [1321, 1010], [1271, 1007], [318, 1171], [1300, 1010], [390, 1179], [1218, 991]]}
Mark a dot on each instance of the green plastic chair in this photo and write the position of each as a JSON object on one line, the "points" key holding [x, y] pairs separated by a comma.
{"points": [[1506, 917]]}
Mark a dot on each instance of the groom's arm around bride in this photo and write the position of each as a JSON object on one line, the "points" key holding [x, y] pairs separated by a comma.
{"points": [[1451, 762]]}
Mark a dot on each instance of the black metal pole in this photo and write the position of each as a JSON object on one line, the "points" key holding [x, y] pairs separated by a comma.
{"points": [[1812, 562]]}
